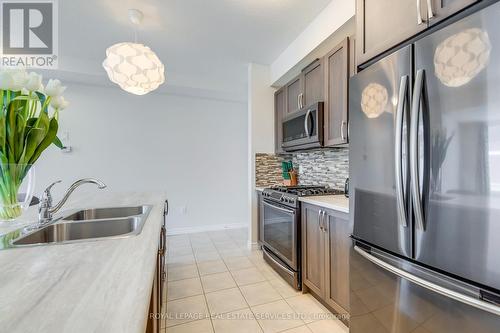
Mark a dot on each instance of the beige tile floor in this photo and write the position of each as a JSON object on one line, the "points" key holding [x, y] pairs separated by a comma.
{"points": [[216, 285]]}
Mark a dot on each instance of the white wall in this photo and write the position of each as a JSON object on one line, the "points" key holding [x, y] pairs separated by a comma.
{"points": [[336, 14], [260, 132], [193, 148]]}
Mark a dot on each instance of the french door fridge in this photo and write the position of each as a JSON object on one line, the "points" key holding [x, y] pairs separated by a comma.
{"points": [[425, 183]]}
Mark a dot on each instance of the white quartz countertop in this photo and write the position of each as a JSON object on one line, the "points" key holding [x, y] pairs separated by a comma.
{"points": [[335, 202], [99, 286]]}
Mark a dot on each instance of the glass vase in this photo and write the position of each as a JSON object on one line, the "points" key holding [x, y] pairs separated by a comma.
{"points": [[17, 185]]}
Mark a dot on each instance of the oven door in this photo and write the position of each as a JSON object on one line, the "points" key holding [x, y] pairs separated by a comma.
{"points": [[280, 232], [304, 129]]}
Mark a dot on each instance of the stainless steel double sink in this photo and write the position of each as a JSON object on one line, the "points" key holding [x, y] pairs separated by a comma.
{"points": [[87, 225]]}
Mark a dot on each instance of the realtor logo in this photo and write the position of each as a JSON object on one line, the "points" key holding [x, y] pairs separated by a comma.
{"points": [[29, 33]]}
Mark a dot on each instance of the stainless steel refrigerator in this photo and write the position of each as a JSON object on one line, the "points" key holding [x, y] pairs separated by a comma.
{"points": [[425, 184]]}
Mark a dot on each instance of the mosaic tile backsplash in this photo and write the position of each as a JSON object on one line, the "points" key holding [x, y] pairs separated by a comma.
{"points": [[323, 167], [268, 169], [318, 167]]}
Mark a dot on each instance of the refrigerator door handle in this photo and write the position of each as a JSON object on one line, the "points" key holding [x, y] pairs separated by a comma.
{"points": [[414, 151], [475, 302], [403, 88]]}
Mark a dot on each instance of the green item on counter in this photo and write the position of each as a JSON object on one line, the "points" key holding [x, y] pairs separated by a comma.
{"points": [[287, 167]]}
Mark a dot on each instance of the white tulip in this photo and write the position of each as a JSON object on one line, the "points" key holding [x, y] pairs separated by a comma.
{"points": [[59, 103], [20, 78], [6, 80], [54, 88], [34, 82]]}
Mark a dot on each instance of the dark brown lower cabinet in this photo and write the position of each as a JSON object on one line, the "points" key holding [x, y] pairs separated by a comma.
{"points": [[325, 256], [441, 9], [157, 305], [337, 260]]}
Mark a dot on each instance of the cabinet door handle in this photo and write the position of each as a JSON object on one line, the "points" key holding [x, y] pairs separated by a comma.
{"points": [[325, 222], [429, 10], [320, 220], [342, 134], [302, 100], [419, 12], [298, 101]]}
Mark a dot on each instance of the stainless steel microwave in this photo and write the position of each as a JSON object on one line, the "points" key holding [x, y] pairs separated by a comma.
{"points": [[304, 129]]}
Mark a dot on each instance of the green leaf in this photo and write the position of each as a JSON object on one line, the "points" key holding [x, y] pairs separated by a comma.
{"points": [[21, 98], [2, 133], [11, 129], [31, 122], [57, 142], [19, 137], [41, 97], [43, 121], [49, 138], [33, 140]]}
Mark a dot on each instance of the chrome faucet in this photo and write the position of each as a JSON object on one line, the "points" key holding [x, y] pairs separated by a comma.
{"points": [[45, 208]]}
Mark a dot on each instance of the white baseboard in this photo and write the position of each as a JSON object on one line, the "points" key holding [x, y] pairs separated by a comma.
{"points": [[253, 245], [204, 228]]}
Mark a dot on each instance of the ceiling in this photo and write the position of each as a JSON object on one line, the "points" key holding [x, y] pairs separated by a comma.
{"points": [[204, 44]]}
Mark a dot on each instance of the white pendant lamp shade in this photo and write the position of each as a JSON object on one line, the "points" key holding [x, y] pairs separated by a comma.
{"points": [[134, 67]]}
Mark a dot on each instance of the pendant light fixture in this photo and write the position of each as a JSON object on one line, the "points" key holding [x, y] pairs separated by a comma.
{"points": [[134, 66]]}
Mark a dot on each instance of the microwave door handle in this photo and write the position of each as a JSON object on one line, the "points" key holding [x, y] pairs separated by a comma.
{"points": [[306, 123]]}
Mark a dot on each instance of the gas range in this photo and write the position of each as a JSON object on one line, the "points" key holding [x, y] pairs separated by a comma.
{"points": [[289, 195], [281, 230]]}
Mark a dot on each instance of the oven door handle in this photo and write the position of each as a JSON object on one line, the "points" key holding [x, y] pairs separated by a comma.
{"points": [[276, 262], [279, 208]]}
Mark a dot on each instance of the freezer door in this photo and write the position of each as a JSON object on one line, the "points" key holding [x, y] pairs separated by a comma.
{"points": [[391, 295], [378, 158], [458, 157]]}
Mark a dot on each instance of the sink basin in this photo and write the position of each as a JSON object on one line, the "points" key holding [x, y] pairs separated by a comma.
{"points": [[106, 213], [82, 225], [70, 232]]}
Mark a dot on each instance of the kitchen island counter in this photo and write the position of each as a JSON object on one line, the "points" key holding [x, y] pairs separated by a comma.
{"points": [[95, 286]]}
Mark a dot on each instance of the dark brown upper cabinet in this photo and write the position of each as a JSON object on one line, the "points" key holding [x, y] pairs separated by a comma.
{"points": [[353, 69], [441, 9], [382, 24], [279, 113], [294, 95], [336, 92], [313, 83], [324, 80]]}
